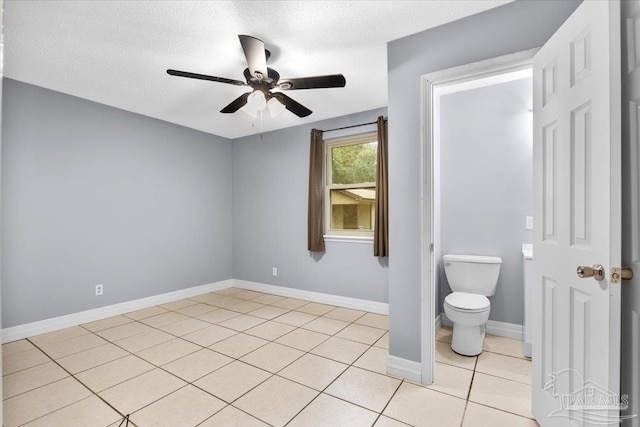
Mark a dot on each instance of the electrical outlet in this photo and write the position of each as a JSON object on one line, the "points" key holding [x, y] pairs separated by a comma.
{"points": [[99, 289], [275, 271], [528, 223]]}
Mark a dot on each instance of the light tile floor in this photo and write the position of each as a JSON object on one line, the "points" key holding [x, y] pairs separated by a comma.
{"points": [[244, 358]]}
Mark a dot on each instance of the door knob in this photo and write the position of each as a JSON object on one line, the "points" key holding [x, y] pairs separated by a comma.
{"points": [[597, 272]]}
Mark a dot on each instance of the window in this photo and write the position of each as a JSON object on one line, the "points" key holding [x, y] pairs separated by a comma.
{"points": [[350, 185]]}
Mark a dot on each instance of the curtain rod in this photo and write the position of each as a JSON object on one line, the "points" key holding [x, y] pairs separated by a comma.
{"points": [[352, 126]]}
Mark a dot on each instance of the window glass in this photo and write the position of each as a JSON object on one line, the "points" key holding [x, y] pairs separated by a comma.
{"points": [[353, 209], [350, 196], [352, 164]]}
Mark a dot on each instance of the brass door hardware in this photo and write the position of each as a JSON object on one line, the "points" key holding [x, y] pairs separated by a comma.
{"points": [[597, 272], [624, 273]]}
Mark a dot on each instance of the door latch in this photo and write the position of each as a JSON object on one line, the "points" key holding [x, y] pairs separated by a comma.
{"points": [[624, 273]]}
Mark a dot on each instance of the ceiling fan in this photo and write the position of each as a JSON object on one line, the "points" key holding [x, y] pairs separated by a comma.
{"points": [[263, 79]]}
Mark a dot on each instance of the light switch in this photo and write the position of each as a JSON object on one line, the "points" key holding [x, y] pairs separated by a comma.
{"points": [[528, 223]]}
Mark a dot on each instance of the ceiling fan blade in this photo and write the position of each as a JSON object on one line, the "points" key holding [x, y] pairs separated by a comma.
{"points": [[255, 54], [291, 105], [237, 104], [317, 82], [205, 77]]}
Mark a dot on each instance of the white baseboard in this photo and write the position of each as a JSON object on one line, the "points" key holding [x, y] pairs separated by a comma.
{"points": [[42, 326], [438, 324], [404, 368], [501, 329], [354, 303], [48, 325]]}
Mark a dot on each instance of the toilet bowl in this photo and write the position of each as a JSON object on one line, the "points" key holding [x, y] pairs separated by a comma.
{"points": [[472, 278], [469, 316]]}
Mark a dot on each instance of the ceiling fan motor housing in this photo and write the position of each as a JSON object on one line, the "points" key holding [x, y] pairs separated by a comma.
{"points": [[260, 82]]}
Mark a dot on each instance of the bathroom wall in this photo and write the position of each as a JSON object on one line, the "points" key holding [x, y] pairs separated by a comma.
{"points": [[486, 184]]}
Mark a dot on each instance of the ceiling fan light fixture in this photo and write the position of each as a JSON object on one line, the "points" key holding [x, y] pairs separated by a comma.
{"points": [[275, 107], [256, 102]]}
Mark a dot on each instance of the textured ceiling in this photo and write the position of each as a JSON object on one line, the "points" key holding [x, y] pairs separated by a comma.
{"points": [[117, 52]]}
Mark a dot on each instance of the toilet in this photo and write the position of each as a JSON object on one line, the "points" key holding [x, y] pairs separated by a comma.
{"points": [[472, 279]]}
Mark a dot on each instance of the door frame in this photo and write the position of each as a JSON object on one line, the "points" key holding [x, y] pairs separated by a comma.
{"points": [[430, 83]]}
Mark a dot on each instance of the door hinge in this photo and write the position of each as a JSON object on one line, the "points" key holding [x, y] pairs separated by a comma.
{"points": [[430, 247], [624, 273]]}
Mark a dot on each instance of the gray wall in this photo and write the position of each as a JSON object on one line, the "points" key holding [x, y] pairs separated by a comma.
{"points": [[93, 194], [515, 27], [270, 184], [486, 184]]}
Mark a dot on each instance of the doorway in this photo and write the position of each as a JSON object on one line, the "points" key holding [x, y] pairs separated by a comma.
{"points": [[435, 87], [577, 202]]}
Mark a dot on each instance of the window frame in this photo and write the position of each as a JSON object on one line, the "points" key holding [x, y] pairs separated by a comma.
{"points": [[328, 145]]}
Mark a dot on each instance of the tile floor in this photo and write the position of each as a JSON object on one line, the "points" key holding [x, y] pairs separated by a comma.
{"points": [[243, 358]]}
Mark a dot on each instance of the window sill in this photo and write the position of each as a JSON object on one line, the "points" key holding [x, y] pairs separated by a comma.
{"points": [[348, 239]]}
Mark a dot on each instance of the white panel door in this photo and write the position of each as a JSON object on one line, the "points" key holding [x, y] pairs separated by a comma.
{"points": [[576, 345]]}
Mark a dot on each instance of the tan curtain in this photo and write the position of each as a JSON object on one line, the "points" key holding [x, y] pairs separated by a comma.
{"points": [[381, 232], [315, 228]]}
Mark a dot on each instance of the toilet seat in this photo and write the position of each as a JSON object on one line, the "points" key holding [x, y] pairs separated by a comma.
{"points": [[466, 302]]}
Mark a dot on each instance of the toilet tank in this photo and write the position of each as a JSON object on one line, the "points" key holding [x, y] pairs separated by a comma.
{"points": [[472, 273]]}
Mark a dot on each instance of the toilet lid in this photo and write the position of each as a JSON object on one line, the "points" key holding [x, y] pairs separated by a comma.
{"points": [[466, 301]]}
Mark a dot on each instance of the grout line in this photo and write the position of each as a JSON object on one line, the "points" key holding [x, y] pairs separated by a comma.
{"points": [[472, 377], [130, 353], [464, 412], [309, 352], [238, 359], [192, 353], [507, 355], [303, 408], [454, 365], [83, 384], [466, 403], [237, 409], [201, 347], [503, 378], [329, 385], [368, 347], [390, 399], [233, 360], [28, 367], [502, 410]]}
